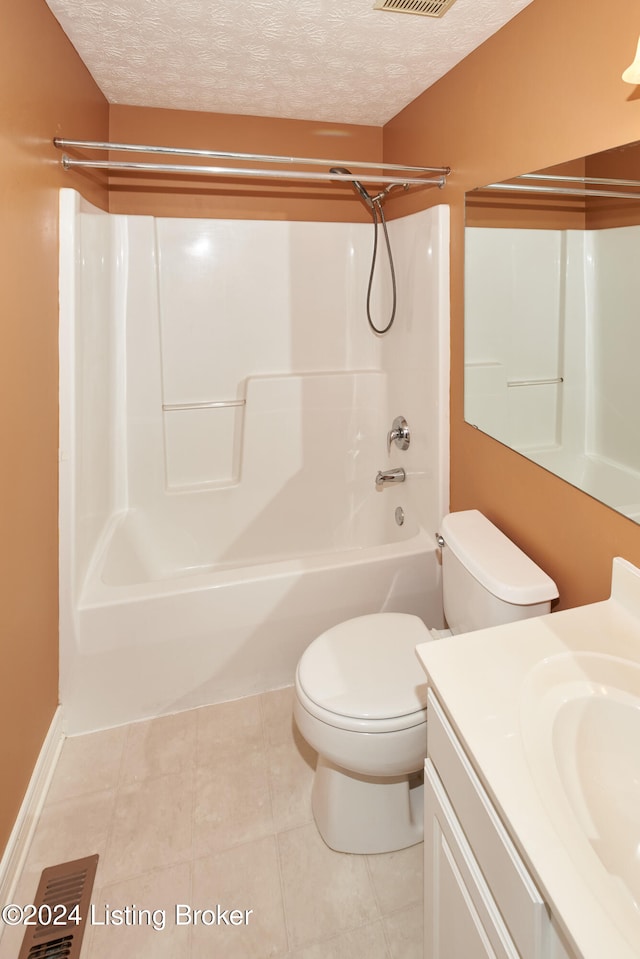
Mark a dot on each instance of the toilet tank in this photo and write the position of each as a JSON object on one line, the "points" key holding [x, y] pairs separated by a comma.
{"points": [[486, 579]]}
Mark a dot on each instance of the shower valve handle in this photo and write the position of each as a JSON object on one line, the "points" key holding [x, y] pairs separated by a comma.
{"points": [[399, 434]]}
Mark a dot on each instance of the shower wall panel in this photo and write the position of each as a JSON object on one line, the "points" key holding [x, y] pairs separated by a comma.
{"points": [[174, 317], [88, 387], [415, 355], [240, 299]]}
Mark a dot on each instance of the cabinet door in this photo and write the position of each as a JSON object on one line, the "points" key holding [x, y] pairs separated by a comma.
{"points": [[462, 920], [512, 887]]}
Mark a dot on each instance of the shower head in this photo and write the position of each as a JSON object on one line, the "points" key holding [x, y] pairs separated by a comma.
{"points": [[392, 186], [356, 184]]}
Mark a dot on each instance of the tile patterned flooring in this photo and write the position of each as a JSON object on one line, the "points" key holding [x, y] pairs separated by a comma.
{"points": [[213, 806]]}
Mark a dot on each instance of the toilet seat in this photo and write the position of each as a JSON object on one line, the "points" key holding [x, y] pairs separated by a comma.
{"points": [[363, 675]]}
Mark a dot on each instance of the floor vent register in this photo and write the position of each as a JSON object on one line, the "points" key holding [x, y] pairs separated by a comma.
{"points": [[61, 909]]}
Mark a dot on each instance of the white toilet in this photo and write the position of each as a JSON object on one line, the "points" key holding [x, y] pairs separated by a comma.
{"points": [[361, 693]]}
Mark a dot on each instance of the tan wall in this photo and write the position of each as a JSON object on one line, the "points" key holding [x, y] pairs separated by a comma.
{"points": [[545, 89], [44, 91], [238, 197]]}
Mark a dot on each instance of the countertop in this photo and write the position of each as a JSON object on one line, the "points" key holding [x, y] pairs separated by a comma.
{"points": [[487, 682]]}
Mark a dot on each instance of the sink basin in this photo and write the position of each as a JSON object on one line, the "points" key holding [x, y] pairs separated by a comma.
{"points": [[580, 725], [596, 746]]}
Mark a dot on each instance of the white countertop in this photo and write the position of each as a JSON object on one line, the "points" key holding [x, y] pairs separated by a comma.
{"points": [[487, 683]]}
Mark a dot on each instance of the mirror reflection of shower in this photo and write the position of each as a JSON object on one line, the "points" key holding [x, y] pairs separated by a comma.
{"points": [[375, 205]]}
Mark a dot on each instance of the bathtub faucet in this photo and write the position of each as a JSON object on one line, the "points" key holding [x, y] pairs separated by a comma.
{"points": [[386, 477]]}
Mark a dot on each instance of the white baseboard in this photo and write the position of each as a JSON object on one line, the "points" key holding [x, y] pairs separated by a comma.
{"points": [[15, 854]]}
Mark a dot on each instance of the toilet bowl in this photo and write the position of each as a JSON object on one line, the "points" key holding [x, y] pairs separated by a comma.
{"points": [[360, 692], [361, 701]]}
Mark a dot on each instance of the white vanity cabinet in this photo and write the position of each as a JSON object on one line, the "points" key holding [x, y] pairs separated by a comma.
{"points": [[481, 902]]}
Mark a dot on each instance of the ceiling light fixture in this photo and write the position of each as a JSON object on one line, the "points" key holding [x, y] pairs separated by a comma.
{"points": [[632, 73]]}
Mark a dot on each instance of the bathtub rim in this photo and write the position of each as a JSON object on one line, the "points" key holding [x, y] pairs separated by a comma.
{"points": [[97, 593]]}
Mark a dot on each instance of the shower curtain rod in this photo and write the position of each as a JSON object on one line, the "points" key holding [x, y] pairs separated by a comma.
{"points": [[558, 191], [602, 180], [71, 163]]}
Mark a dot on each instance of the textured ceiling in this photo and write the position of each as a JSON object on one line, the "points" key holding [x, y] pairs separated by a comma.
{"points": [[328, 60]]}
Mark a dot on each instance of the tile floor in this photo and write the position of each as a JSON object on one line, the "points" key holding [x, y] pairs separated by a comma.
{"points": [[213, 806]]}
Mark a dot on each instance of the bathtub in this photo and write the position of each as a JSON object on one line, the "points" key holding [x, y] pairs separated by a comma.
{"points": [[219, 442], [153, 639], [211, 592]]}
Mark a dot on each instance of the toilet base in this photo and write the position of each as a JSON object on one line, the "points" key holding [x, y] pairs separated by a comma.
{"points": [[361, 814]]}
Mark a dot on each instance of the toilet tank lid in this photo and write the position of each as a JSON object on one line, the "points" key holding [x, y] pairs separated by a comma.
{"points": [[495, 561]]}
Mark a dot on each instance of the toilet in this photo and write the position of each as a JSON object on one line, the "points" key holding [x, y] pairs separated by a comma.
{"points": [[361, 696]]}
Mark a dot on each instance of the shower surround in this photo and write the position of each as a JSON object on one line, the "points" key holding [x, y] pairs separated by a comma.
{"points": [[224, 410]]}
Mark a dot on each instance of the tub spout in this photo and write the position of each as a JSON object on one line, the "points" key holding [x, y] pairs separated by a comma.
{"points": [[386, 477]]}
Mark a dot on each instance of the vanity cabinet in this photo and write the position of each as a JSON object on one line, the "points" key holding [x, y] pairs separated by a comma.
{"points": [[480, 900]]}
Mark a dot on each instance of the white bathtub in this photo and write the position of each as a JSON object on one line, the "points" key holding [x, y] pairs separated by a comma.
{"points": [[219, 446], [154, 642], [211, 594]]}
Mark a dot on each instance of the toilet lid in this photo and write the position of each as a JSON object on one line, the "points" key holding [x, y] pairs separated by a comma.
{"points": [[367, 667]]}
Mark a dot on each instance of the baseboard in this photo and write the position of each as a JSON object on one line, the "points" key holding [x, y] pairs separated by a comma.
{"points": [[15, 854]]}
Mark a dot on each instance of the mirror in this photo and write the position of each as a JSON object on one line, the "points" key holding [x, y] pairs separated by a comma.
{"points": [[552, 331]]}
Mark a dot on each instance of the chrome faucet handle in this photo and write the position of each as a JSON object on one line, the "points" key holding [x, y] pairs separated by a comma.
{"points": [[399, 434]]}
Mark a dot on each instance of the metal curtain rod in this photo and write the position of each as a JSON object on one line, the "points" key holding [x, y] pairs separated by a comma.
{"points": [[70, 163], [579, 179], [223, 155], [560, 191]]}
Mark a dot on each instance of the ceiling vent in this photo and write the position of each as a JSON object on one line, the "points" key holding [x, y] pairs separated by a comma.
{"points": [[422, 8]]}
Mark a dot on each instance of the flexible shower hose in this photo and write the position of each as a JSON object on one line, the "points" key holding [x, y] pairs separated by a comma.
{"points": [[375, 209]]}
